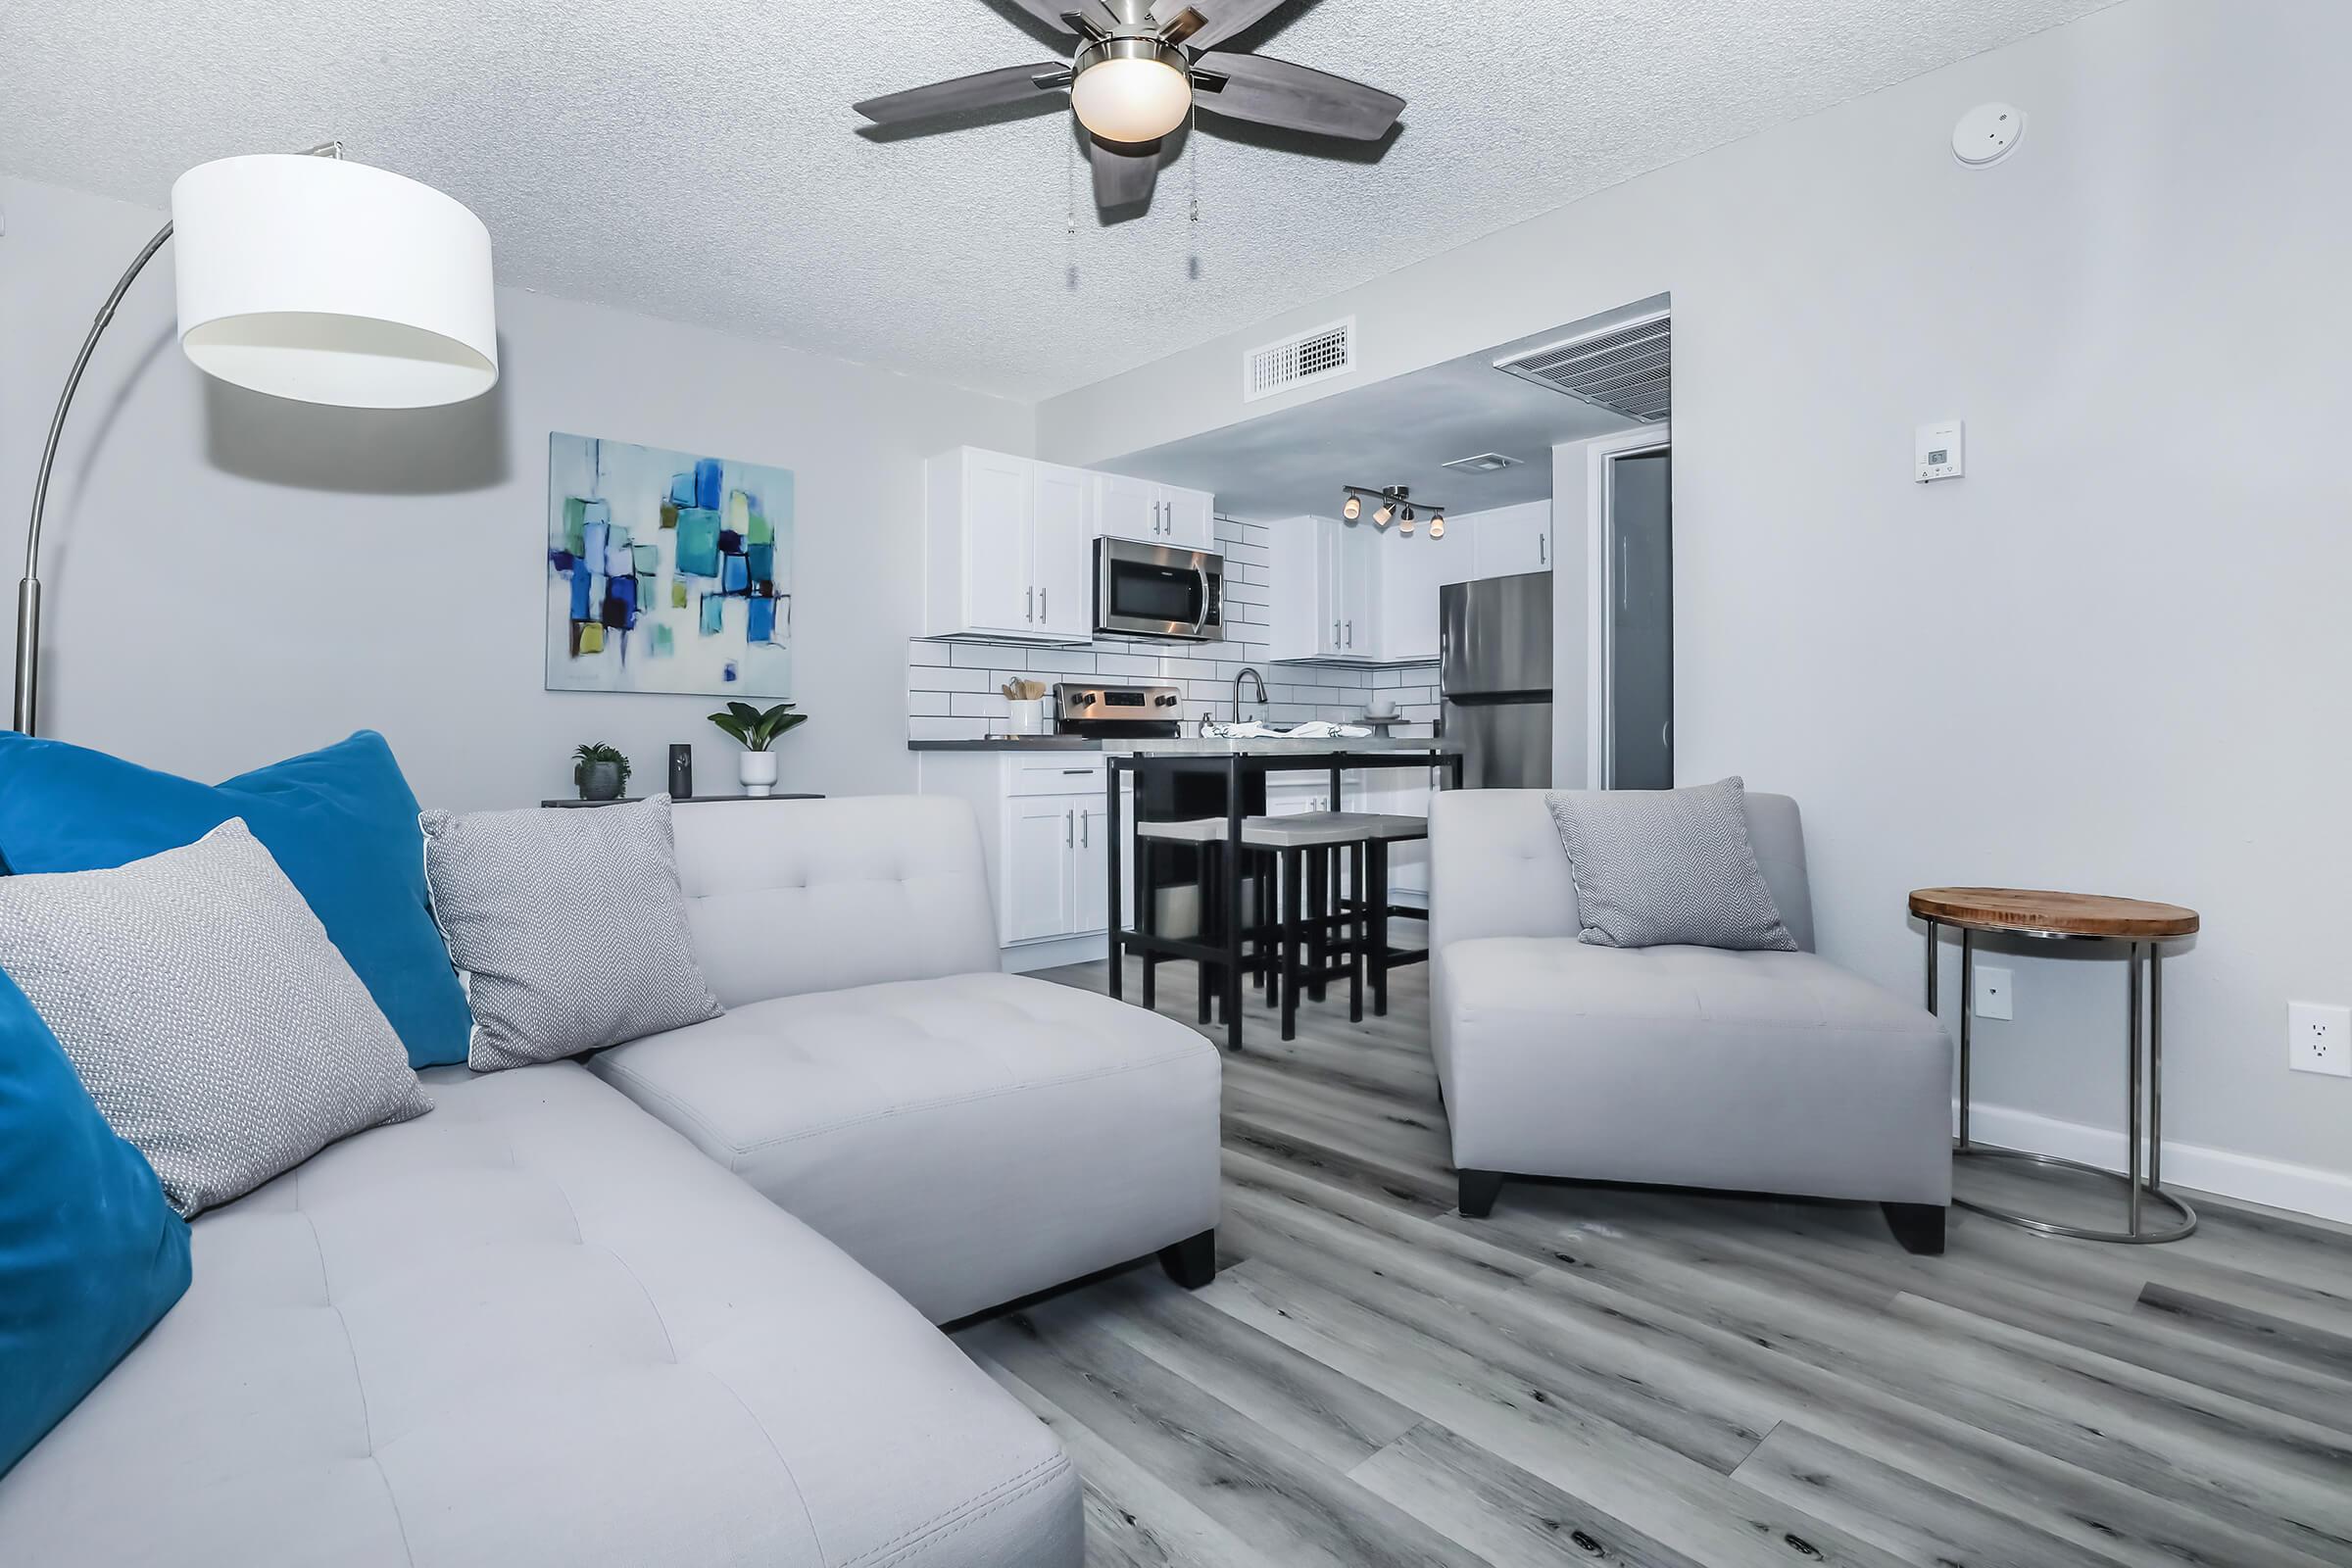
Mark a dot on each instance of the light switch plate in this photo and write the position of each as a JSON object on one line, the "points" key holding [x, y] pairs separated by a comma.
{"points": [[1992, 992], [1939, 453], [2319, 1039]]}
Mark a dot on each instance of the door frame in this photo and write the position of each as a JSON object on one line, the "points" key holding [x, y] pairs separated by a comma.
{"points": [[1600, 497]]}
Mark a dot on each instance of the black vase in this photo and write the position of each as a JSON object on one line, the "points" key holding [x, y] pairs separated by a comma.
{"points": [[681, 771]]}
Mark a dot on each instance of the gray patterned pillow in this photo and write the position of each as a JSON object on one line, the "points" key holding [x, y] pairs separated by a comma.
{"points": [[1659, 866], [218, 1030], [567, 926]]}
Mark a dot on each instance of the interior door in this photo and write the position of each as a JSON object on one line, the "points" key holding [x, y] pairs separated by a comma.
{"points": [[1061, 550], [1641, 636], [998, 592], [1188, 519], [1040, 837], [1128, 508]]}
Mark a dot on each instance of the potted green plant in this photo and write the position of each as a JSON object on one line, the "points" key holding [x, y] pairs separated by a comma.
{"points": [[600, 770], [757, 730]]}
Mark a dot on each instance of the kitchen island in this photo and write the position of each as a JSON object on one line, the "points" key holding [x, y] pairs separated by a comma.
{"points": [[1175, 779]]}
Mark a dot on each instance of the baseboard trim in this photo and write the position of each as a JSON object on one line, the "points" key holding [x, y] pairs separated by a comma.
{"points": [[2304, 1189], [1052, 952]]}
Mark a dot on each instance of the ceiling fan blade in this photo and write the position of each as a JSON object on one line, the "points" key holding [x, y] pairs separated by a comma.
{"points": [[983, 90], [1123, 177], [1222, 19], [1275, 92], [1050, 12]]}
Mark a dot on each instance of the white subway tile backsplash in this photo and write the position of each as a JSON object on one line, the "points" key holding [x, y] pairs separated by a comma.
{"points": [[928, 704], [940, 679], [1062, 660], [1135, 665], [978, 705], [921, 651], [990, 656]]}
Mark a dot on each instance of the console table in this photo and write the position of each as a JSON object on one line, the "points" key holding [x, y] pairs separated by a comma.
{"points": [[2075, 917]]}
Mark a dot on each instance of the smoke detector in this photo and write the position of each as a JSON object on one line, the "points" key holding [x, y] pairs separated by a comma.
{"points": [[1483, 462], [1987, 134]]}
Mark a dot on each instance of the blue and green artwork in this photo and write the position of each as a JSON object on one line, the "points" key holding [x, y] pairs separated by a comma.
{"points": [[648, 553]]}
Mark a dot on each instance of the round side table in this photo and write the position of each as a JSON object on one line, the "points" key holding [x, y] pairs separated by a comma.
{"points": [[2075, 917]]}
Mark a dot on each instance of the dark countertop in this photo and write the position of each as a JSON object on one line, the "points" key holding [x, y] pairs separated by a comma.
{"points": [[1192, 744]]}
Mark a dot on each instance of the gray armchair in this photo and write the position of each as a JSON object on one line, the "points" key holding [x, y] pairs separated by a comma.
{"points": [[1689, 1066]]}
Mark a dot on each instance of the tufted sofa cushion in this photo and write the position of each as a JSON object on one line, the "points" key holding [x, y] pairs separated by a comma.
{"points": [[969, 1139], [536, 1327], [800, 896]]}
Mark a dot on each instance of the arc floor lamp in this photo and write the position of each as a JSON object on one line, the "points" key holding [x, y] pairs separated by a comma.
{"points": [[308, 276]]}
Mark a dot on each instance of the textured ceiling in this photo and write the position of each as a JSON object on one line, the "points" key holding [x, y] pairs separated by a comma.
{"points": [[699, 161]]}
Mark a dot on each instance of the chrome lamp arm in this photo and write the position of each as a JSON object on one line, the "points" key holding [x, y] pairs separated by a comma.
{"points": [[29, 588]]}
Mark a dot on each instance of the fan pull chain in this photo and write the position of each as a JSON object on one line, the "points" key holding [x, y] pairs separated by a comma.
{"points": [[1069, 196], [1191, 147]]}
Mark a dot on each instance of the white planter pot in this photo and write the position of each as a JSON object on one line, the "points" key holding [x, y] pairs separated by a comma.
{"points": [[757, 771], [1026, 715]]}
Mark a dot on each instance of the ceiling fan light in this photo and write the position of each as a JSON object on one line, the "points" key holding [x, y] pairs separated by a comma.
{"points": [[1354, 509], [1131, 90], [1436, 526]]}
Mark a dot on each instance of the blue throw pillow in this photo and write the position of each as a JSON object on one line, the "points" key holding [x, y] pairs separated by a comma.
{"points": [[340, 822], [90, 1255]]}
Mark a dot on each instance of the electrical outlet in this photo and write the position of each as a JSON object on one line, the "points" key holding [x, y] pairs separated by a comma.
{"points": [[2318, 1037], [1992, 992]]}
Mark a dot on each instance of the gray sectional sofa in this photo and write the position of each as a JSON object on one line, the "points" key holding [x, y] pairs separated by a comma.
{"points": [[674, 1305], [1682, 1065]]}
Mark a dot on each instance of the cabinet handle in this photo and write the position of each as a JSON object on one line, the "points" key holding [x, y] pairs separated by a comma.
{"points": [[1085, 832], [1029, 606], [1067, 833], [1335, 635], [1351, 634], [1543, 549], [1042, 614]]}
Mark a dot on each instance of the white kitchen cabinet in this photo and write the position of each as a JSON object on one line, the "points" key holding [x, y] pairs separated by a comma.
{"points": [[1061, 550], [1326, 592], [1089, 869], [1413, 568], [1005, 548], [1511, 540], [1156, 514], [1041, 836]]}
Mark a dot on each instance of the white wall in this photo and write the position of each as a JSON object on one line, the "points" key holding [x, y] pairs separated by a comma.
{"points": [[2115, 656], [232, 578]]}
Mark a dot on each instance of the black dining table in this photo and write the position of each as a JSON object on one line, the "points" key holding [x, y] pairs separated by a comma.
{"points": [[1239, 767]]}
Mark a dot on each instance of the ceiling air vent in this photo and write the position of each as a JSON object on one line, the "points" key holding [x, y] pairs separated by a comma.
{"points": [[1317, 355], [1483, 462], [1627, 369]]}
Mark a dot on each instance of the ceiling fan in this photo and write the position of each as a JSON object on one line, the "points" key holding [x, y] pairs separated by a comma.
{"points": [[1135, 79]]}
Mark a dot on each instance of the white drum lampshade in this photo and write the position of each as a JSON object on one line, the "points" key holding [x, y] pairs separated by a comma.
{"points": [[329, 281]]}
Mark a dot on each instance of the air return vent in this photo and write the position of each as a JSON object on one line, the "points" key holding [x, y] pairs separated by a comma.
{"points": [[1627, 369], [1293, 361], [1483, 462]]}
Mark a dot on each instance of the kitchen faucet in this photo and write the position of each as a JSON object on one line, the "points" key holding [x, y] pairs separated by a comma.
{"points": [[1257, 678]]}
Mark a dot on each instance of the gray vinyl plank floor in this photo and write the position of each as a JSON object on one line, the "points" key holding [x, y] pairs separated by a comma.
{"points": [[1653, 1377]]}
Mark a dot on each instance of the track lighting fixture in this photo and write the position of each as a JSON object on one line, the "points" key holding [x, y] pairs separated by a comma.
{"points": [[1393, 504]]}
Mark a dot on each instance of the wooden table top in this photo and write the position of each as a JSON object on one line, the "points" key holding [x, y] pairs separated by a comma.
{"points": [[2080, 914]]}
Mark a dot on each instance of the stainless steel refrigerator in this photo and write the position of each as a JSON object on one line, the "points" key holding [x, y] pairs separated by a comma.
{"points": [[1494, 659]]}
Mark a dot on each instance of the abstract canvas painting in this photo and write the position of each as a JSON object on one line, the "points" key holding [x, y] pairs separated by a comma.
{"points": [[667, 572]]}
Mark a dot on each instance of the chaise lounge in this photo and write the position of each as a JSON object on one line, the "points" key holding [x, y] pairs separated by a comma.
{"points": [[1682, 1065]]}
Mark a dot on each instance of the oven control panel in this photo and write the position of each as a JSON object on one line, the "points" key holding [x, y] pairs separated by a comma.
{"points": [[1095, 700]]}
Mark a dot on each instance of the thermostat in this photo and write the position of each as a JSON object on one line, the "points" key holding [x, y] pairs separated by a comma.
{"points": [[1939, 448]]}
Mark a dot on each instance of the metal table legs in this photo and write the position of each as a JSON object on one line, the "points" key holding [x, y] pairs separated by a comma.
{"points": [[2143, 1050]]}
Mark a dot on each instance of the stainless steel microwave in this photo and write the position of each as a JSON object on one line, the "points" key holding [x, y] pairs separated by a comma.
{"points": [[1146, 590]]}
